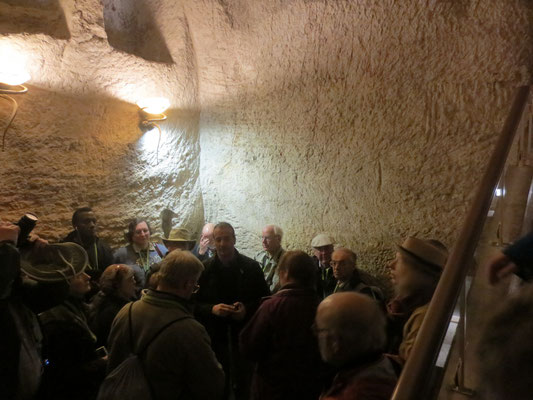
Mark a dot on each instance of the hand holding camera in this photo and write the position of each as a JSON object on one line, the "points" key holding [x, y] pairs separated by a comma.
{"points": [[9, 232]]}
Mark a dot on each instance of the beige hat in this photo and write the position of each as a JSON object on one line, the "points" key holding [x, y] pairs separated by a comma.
{"points": [[55, 262], [321, 240], [180, 235], [424, 252]]}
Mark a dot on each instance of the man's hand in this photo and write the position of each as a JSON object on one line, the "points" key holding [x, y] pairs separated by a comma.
{"points": [[204, 245], [239, 311], [9, 232], [222, 310], [499, 267]]}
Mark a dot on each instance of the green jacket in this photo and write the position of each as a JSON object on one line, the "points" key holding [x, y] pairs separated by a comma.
{"points": [[179, 363]]}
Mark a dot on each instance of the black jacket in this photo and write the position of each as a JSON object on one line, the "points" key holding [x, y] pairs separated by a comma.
{"points": [[241, 281], [99, 252]]}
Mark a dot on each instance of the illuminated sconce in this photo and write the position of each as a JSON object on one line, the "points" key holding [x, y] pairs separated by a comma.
{"points": [[152, 111], [12, 77]]}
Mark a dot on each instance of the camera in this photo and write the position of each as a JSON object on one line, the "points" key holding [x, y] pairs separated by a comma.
{"points": [[26, 225]]}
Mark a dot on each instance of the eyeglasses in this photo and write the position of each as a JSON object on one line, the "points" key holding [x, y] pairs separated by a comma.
{"points": [[196, 288]]}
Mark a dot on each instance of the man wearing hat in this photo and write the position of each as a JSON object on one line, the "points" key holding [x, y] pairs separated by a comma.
{"points": [[178, 239], [322, 245], [70, 345], [42, 285], [415, 273]]}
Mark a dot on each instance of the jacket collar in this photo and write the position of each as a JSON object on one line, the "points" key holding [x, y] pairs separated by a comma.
{"points": [[166, 300]]}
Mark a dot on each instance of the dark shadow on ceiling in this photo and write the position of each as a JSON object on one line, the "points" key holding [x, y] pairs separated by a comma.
{"points": [[33, 16], [131, 28]]}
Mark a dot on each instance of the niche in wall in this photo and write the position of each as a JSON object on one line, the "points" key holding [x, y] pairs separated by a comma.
{"points": [[130, 27], [33, 16]]}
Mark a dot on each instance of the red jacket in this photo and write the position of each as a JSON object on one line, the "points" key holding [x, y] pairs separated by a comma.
{"points": [[279, 340]]}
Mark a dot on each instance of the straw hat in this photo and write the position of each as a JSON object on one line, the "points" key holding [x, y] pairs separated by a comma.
{"points": [[321, 240], [424, 252], [55, 262], [180, 235]]}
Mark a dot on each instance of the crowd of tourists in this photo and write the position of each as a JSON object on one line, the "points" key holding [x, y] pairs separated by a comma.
{"points": [[196, 319]]}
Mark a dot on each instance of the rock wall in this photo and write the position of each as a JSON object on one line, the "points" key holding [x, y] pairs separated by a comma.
{"points": [[76, 140], [369, 120]]}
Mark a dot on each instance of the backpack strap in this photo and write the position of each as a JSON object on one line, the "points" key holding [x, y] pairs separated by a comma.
{"points": [[139, 353]]}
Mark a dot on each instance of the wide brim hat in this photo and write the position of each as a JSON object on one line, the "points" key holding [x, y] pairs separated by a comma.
{"points": [[321, 240], [55, 262], [179, 235], [427, 254]]}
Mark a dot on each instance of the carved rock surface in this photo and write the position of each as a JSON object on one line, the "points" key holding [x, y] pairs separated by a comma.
{"points": [[369, 120]]}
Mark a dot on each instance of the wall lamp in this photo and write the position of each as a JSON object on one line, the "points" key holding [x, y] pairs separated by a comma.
{"points": [[11, 82], [152, 111]]}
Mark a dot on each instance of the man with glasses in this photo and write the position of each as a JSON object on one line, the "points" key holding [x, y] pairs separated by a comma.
{"points": [[349, 278], [350, 328], [269, 257], [179, 359]]}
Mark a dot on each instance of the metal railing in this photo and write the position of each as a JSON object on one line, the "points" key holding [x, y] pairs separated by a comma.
{"points": [[417, 371]]}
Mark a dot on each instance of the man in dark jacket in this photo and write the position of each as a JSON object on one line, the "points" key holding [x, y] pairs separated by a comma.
{"points": [[21, 336], [349, 278], [279, 337], [230, 289], [85, 234], [322, 245]]}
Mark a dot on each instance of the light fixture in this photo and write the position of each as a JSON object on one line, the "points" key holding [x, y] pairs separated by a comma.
{"points": [[12, 76], [152, 111]]}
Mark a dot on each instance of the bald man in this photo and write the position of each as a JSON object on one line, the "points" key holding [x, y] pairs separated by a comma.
{"points": [[349, 278], [205, 248], [352, 336]]}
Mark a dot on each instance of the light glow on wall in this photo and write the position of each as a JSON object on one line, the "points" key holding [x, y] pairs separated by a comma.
{"points": [[154, 105], [12, 66]]}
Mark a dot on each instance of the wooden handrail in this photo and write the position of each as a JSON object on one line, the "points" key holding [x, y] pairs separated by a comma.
{"points": [[417, 370]]}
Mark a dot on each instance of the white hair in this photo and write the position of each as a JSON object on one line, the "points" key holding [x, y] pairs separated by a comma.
{"points": [[277, 230]]}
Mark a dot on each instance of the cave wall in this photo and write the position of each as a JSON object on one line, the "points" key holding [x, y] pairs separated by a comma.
{"points": [[76, 140], [369, 120]]}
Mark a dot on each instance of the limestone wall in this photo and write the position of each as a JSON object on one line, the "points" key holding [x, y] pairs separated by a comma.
{"points": [[76, 139], [369, 119]]}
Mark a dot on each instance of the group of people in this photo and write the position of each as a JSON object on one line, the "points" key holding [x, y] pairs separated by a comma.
{"points": [[207, 321]]}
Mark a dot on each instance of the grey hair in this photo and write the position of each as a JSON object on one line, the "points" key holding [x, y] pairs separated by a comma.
{"points": [[178, 267], [351, 254], [277, 230]]}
